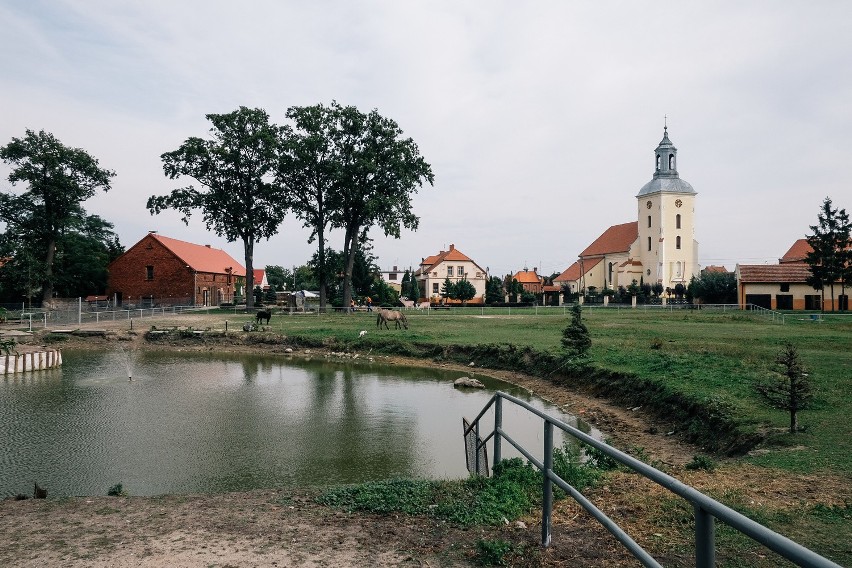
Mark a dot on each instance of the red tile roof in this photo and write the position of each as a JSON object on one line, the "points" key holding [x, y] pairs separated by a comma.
{"points": [[617, 238], [574, 272], [797, 252], [714, 268], [527, 277], [201, 258], [452, 255], [786, 273], [258, 274]]}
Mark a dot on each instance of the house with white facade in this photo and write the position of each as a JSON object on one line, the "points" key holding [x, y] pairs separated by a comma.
{"points": [[452, 264]]}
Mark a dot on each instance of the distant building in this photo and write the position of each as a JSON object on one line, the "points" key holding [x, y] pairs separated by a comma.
{"points": [[659, 247], [529, 280], [393, 277], [260, 278], [784, 286], [455, 265], [160, 270]]}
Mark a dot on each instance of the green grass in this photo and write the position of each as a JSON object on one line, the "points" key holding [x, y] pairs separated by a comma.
{"points": [[713, 358]]}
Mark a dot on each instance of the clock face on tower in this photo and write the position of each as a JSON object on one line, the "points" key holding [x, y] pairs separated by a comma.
{"points": [[678, 202], [648, 205]]}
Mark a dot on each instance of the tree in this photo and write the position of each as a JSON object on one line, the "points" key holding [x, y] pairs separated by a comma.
{"points": [[240, 200], [464, 291], [307, 169], [792, 391], [715, 287], [831, 243], [576, 340], [59, 179], [448, 289], [278, 276], [83, 254], [378, 173], [494, 290]]}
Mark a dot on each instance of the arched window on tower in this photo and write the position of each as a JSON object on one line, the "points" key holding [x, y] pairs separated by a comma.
{"points": [[649, 243], [649, 221], [671, 161], [677, 221], [610, 273], [677, 268], [658, 161], [677, 243]]}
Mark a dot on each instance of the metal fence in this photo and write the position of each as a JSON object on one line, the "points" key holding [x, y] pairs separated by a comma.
{"points": [[706, 510]]}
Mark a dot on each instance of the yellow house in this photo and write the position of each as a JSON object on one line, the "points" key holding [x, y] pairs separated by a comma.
{"points": [[452, 264]]}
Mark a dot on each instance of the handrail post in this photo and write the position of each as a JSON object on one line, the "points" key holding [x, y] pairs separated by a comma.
{"points": [[547, 485], [705, 553], [476, 447], [498, 425]]}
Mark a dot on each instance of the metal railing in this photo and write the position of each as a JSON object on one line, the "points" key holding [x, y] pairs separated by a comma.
{"points": [[706, 509]]}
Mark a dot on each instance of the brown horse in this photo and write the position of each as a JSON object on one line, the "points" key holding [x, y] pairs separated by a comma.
{"points": [[383, 316]]}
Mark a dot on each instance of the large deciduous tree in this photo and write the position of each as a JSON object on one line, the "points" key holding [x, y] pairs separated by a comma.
{"points": [[306, 172], [831, 256], [379, 171], [236, 169], [59, 179]]}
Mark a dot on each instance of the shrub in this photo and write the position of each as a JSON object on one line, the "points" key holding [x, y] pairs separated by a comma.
{"points": [[117, 490]]}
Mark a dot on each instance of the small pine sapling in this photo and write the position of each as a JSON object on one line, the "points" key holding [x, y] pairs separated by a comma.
{"points": [[575, 338], [792, 390]]}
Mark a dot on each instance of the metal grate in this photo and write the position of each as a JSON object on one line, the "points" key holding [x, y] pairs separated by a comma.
{"points": [[471, 443]]}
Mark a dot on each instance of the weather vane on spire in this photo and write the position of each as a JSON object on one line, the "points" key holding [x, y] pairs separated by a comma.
{"points": [[665, 122]]}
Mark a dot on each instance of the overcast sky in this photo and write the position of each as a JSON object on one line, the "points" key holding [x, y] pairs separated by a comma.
{"points": [[539, 119]]}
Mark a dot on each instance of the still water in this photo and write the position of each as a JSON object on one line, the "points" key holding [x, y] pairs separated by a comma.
{"points": [[191, 422]]}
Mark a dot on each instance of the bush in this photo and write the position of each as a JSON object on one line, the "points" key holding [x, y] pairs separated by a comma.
{"points": [[117, 490]]}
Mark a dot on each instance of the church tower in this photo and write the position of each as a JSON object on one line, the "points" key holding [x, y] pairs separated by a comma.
{"points": [[668, 250]]}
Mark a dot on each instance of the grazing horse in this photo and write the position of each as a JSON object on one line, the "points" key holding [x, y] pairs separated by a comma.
{"points": [[263, 315], [383, 316]]}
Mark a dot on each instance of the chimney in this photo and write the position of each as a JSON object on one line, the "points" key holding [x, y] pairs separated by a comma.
{"points": [[452, 246], [208, 246]]}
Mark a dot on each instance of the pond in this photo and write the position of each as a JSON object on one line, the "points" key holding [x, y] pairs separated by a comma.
{"points": [[205, 422]]}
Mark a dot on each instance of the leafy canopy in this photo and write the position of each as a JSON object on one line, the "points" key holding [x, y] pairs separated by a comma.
{"points": [[236, 169]]}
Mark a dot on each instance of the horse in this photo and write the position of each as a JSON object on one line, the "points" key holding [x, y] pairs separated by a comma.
{"points": [[263, 315], [383, 316]]}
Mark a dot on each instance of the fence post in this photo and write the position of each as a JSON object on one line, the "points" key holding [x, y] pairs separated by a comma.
{"points": [[705, 553], [547, 485], [498, 424]]}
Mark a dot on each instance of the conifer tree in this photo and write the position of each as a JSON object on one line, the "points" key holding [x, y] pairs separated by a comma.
{"points": [[575, 338]]}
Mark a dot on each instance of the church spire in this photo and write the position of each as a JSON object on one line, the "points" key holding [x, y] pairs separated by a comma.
{"points": [[666, 157]]}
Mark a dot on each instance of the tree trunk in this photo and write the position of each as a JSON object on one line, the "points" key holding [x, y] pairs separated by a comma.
{"points": [[47, 285], [323, 279], [349, 244], [793, 425], [248, 248]]}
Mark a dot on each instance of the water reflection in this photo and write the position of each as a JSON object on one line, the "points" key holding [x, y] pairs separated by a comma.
{"points": [[191, 422]]}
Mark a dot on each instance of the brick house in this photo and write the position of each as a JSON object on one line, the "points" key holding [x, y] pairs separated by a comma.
{"points": [[452, 264], [166, 271]]}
